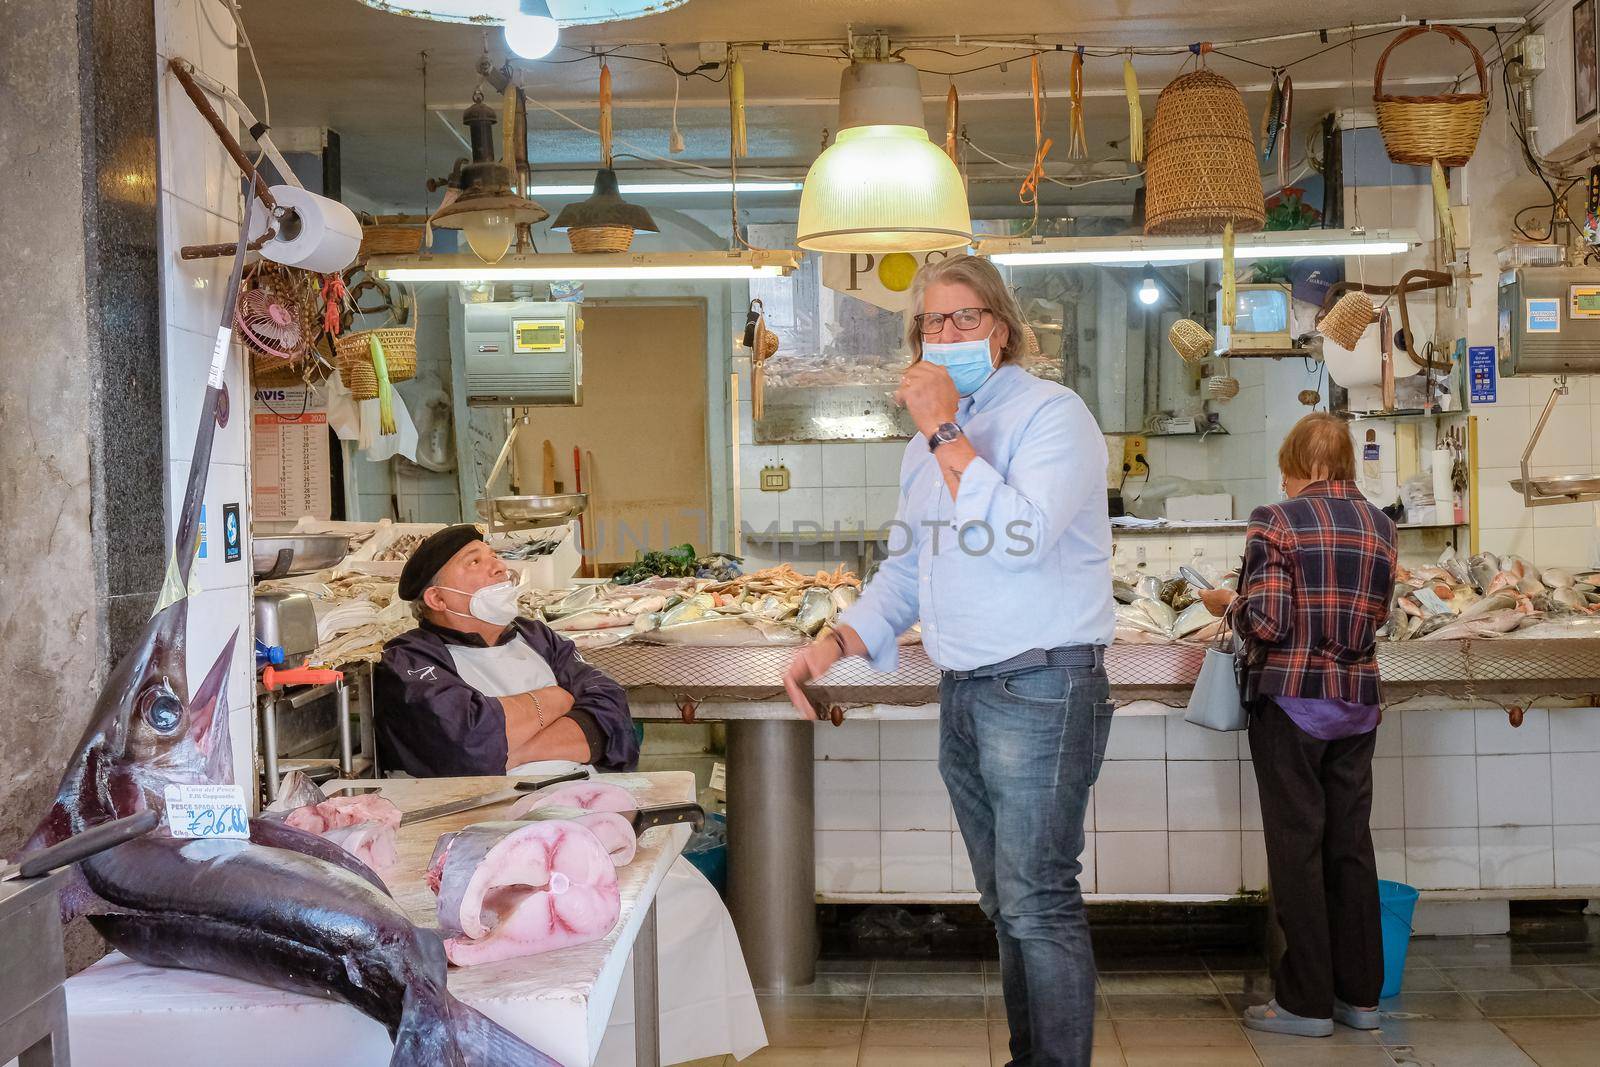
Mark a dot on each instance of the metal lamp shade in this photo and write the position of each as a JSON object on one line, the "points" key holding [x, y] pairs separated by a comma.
{"points": [[522, 210], [604, 207]]}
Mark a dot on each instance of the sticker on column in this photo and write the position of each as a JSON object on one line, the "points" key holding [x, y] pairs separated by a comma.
{"points": [[219, 356], [200, 549], [1543, 314], [231, 541], [1482, 374]]}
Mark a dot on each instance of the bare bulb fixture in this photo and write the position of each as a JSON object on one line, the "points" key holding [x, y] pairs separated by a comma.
{"points": [[532, 32], [1148, 293]]}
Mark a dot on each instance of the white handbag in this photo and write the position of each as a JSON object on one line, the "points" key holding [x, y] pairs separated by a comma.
{"points": [[1216, 702]]}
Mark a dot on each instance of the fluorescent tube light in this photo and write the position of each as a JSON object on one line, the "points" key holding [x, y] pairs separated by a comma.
{"points": [[665, 188], [1050, 251], [564, 267]]}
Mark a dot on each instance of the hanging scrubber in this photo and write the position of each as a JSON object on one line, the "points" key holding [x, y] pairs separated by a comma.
{"points": [[952, 122], [1229, 297], [1029, 192], [1441, 207], [1130, 85], [1080, 144], [741, 142]]}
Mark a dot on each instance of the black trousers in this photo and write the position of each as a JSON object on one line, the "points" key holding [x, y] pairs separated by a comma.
{"points": [[1316, 803]]}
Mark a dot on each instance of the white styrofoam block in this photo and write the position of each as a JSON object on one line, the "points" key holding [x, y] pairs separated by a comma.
{"points": [[853, 739], [1254, 847], [1205, 862], [1514, 790], [1187, 741], [1388, 794], [844, 505], [1496, 735], [1438, 733], [961, 879], [1086, 875], [1131, 862], [846, 795], [1577, 855], [1574, 729], [1203, 795], [1131, 795], [1461, 918], [1442, 859], [1441, 791], [1136, 736], [914, 797], [848, 861], [1389, 849], [844, 463], [916, 861], [1200, 507], [1516, 856], [913, 739], [1575, 782], [1249, 797]]}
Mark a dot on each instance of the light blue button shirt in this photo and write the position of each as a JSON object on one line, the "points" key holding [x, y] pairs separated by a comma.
{"points": [[1021, 558]]}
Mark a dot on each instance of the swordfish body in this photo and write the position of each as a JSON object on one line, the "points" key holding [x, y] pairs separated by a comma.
{"points": [[285, 908]]}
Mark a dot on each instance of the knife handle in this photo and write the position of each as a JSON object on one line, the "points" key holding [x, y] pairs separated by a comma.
{"points": [[91, 841], [668, 815], [575, 776]]}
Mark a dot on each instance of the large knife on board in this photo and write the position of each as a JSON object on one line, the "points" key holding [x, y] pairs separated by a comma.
{"points": [[484, 800]]}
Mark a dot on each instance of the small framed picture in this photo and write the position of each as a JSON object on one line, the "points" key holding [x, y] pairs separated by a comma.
{"points": [[1585, 61]]}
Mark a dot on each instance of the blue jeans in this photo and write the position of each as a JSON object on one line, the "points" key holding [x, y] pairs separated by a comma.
{"points": [[1018, 753]]}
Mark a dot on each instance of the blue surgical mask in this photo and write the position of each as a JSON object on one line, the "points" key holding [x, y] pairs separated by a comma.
{"points": [[968, 362]]}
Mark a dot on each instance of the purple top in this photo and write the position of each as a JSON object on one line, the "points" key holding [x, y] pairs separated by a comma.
{"points": [[1327, 719]]}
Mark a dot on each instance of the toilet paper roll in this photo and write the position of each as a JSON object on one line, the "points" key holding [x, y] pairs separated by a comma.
{"points": [[328, 238]]}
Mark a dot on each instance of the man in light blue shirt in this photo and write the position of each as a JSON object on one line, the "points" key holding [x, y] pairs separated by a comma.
{"points": [[1002, 547]]}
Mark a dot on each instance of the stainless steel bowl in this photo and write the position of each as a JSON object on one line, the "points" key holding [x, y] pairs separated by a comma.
{"points": [[286, 555], [532, 512]]}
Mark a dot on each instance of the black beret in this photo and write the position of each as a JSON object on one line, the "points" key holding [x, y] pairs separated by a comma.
{"points": [[434, 552]]}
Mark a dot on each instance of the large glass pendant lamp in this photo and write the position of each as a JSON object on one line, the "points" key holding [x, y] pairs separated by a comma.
{"points": [[882, 186]]}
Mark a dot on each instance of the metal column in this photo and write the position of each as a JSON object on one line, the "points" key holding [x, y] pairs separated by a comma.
{"points": [[646, 995], [771, 864]]}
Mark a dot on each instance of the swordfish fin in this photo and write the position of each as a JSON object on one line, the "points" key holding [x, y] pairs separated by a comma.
{"points": [[443, 1032]]}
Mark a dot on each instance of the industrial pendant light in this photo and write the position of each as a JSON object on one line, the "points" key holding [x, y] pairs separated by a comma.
{"points": [[604, 219], [532, 33], [485, 207], [882, 186]]}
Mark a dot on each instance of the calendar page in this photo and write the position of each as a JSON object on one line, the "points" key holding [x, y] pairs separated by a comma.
{"points": [[289, 469]]}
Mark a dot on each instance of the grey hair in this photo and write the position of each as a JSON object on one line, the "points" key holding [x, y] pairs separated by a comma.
{"points": [[419, 607], [979, 275]]}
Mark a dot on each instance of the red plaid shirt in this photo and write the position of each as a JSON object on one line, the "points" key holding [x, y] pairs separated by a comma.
{"points": [[1318, 572]]}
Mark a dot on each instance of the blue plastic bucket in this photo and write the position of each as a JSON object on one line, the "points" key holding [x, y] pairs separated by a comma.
{"points": [[708, 851], [1396, 903]]}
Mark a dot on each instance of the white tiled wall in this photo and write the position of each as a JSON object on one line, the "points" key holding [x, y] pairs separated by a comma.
{"points": [[200, 203], [1461, 800]]}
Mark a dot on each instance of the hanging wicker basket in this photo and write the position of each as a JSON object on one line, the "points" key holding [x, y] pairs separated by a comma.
{"points": [[387, 239], [1347, 320], [1201, 171], [1192, 340], [1420, 129], [600, 238], [1221, 387], [355, 359]]}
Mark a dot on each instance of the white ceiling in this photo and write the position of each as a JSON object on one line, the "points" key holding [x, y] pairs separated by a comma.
{"points": [[340, 64]]}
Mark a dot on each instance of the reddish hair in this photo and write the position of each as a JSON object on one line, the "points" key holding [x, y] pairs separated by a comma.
{"points": [[1318, 448]]}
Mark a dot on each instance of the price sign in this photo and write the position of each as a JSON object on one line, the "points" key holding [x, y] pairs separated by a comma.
{"points": [[207, 811]]}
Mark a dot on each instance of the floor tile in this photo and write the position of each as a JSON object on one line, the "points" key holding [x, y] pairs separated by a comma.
{"points": [[929, 967], [834, 985], [924, 1057], [1104, 1056], [1175, 1006], [1504, 979], [782, 1056], [1242, 981], [1552, 1031], [814, 1009], [1574, 953], [1544, 1002], [1342, 1036], [927, 985], [1561, 1055], [1235, 961], [810, 1033], [926, 1034], [1238, 1002], [1158, 982], [1199, 1057], [844, 966], [1149, 963], [1431, 1006], [1441, 1033], [925, 1008], [1186, 1034], [1472, 951], [708, 1061], [1583, 977], [1424, 978], [1457, 1056], [1313, 1052]]}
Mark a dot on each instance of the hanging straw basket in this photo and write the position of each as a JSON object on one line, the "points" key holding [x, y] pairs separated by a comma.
{"points": [[1201, 171], [600, 238], [1420, 129], [1347, 320], [387, 239], [1221, 387], [1192, 340], [355, 359]]}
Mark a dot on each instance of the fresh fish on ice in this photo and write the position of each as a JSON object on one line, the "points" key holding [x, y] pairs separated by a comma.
{"points": [[816, 608]]}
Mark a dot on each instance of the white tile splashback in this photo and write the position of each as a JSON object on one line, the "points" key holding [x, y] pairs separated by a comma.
{"points": [[1516, 856], [1575, 785], [916, 862], [847, 795], [1131, 795], [914, 797], [1203, 795], [1205, 862], [848, 861], [1514, 790]]}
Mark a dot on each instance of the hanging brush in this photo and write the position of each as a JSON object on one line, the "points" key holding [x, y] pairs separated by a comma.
{"points": [[1130, 85], [1029, 192], [1229, 297], [1080, 145], [741, 140], [952, 122], [605, 116]]}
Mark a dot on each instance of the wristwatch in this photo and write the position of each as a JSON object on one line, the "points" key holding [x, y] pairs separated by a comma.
{"points": [[946, 432]]}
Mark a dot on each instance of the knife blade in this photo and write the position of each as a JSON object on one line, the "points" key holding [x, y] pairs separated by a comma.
{"points": [[484, 800], [83, 845]]}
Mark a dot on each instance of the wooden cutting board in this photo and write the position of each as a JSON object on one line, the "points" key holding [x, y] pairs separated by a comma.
{"points": [[549, 485]]}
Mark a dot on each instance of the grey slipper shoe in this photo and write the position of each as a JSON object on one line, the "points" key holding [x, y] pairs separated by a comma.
{"points": [[1355, 1018], [1275, 1020]]}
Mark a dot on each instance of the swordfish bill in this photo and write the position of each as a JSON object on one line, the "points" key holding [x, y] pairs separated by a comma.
{"points": [[284, 908]]}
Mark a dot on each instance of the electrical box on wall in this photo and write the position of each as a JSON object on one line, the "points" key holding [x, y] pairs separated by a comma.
{"points": [[522, 352], [1549, 321]]}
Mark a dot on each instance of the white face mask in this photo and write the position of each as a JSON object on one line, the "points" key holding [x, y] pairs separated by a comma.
{"points": [[494, 604]]}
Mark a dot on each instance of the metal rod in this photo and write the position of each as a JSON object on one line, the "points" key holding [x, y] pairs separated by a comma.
{"points": [[235, 101], [1527, 453], [341, 699], [646, 994], [269, 745], [229, 142]]}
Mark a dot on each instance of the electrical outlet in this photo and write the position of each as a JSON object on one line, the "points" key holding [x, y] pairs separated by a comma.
{"points": [[774, 479], [1135, 449], [1531, 52]]}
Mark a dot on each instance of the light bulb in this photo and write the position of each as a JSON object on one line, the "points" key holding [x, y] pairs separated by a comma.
{"points": [[532, 33], [489, 233], [1148, 293]]}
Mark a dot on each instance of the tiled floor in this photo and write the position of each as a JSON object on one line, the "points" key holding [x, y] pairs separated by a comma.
{"points": [[1532, 998]]}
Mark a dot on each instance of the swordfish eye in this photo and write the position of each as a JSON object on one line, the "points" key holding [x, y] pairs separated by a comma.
{"points": [[161, 709]]}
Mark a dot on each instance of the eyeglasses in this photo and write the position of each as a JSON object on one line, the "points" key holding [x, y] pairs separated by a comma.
{"points": [[931, 323]]}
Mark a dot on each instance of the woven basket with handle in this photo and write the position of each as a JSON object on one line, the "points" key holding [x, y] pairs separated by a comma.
{"points": [[600, 238], [355, 359], [1420, 129], [1201, 171]]}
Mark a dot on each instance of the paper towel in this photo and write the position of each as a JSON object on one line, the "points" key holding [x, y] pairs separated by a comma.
{"points": [[328, 239]]}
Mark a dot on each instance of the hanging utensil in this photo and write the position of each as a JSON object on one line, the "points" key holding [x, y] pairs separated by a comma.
{"points": [[1079, 146], [1130, 86]]}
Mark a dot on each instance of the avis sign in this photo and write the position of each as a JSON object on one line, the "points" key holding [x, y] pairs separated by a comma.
{"points": [[881, 279]]}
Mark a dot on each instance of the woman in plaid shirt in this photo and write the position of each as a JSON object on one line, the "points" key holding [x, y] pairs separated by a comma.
{"points": [[1318, 571]]}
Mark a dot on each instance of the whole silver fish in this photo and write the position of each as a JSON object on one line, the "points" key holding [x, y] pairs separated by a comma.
{"points": [[1496, 622], [816, 608]]}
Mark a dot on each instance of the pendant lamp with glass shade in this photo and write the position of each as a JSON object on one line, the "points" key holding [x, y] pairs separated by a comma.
{"points": [[882, 186], [484, 205]]}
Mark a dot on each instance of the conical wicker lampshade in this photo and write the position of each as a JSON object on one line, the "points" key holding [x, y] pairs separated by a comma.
{"points": [[1200, 170]]}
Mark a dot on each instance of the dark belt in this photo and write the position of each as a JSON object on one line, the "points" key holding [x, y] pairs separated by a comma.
{"points": [[1093, 656]]}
